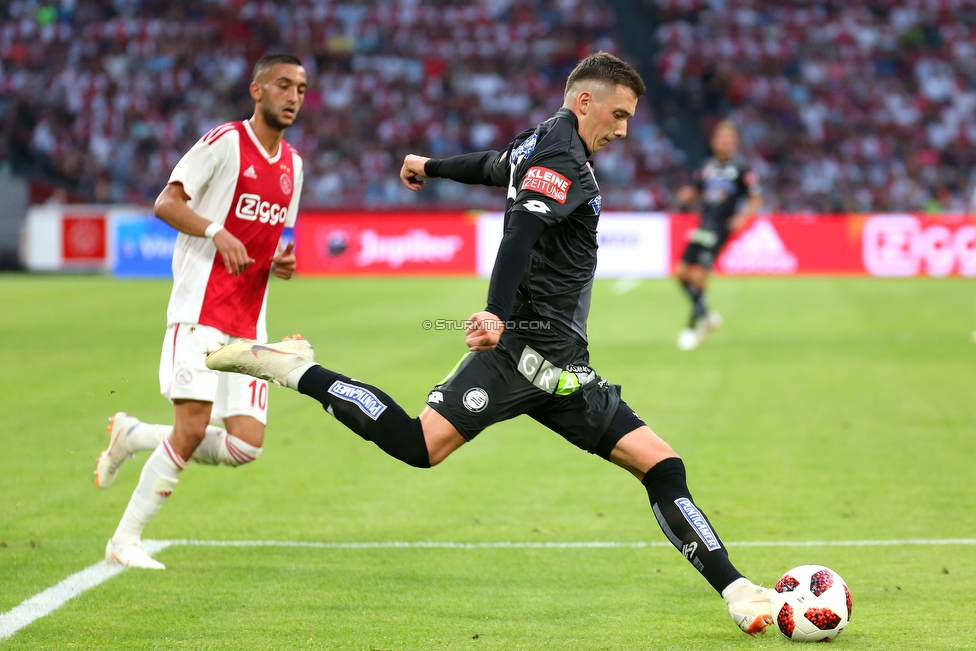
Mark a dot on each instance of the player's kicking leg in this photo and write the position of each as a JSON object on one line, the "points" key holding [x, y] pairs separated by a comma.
{"points": [[368, 411], [662, 473], [374, 416]]}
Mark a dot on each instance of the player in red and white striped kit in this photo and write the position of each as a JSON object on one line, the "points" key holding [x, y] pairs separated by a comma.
{"points": [[230, 196]]}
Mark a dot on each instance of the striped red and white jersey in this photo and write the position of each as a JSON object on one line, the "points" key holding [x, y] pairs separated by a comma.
{"points": [[231, 180]]}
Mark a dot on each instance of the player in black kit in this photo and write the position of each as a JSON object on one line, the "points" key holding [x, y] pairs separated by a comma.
{"points": [[528, 348], [721, 184]]}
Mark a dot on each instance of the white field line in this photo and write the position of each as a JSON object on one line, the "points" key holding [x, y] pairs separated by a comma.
{"points": [[56, 596], [395, 544]]}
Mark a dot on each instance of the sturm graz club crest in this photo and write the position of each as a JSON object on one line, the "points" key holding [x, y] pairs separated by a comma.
{"points": [[475, 399]]}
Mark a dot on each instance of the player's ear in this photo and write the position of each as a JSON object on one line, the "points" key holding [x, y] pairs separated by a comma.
{"points": [[583, 101], [255, 89]]}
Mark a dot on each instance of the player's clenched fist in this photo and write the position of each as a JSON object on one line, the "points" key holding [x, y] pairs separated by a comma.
{"points": [[412, 171], [484, 329], [233, 251]]}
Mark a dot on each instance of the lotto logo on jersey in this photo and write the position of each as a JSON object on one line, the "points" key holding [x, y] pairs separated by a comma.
{"points": [[544, 181], [250, 207]]}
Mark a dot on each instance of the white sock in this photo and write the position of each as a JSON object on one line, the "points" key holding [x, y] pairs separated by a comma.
{"points": [[739, 589], [293, 377], [212, 451], [156, 483], [220, 447], [146, 436]]}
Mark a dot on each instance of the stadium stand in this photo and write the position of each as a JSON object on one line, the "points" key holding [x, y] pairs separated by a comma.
{"points": [[866, 109], [105, 96], [844, 106]]}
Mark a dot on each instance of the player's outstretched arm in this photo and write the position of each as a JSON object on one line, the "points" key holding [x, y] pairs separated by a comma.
{"points": [[478, 168], [172, 208]]}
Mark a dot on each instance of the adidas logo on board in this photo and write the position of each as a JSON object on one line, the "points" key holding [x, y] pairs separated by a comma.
{"points": [[758, 250]]}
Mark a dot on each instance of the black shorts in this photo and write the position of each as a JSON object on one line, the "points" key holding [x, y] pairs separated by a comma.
{"points": [[488, 387], [703, 247]]}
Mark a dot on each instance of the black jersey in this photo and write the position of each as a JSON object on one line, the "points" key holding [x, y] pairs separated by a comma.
{"points": [[548, 174], [722, 185]]}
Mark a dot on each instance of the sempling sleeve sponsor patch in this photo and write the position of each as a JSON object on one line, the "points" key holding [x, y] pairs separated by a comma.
{"points": [[545, 181]]}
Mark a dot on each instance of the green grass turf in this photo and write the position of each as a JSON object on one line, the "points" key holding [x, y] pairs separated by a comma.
{"points": [[826, 409]]}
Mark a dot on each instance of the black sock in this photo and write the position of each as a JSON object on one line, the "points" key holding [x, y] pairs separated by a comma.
{"points": [[701, 305], [698, 305], [685, 525], [370, 413]]}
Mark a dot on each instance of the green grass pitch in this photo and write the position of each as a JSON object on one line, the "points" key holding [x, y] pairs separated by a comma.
{"points": [[827, 409]]}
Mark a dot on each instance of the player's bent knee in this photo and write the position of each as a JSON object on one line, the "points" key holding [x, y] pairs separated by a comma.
{"points": [[440, 437], [640, 450], [188, 435], [235, 452], [246, 428]]}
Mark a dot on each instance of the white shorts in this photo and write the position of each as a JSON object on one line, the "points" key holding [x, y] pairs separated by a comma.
{"points": [[183, 374]]}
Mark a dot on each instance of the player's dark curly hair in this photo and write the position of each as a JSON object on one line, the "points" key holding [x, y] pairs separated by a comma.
{"points": [[269, 60], [604, 67]]}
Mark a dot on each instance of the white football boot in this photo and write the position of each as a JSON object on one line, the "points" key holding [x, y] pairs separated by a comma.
{"points": [[107, 466], [749, 606], [298, 345], [272, 362], [688, 339], [130, 555], [714, 320], [704, 326]]}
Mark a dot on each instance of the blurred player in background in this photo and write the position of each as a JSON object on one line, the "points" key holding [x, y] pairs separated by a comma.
{"points": [[230, 197], [529, 346], [721, 184]]}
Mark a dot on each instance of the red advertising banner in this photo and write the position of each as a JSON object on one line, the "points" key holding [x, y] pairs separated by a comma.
{"points": [[386, 243], [910, 245], [83, 239], [878, 245]]}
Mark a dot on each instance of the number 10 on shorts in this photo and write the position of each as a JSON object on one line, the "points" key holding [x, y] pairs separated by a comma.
{"points": [[259, 394]]}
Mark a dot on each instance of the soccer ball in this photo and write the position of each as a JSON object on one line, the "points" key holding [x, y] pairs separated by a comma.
{"points": [[811, 603]]}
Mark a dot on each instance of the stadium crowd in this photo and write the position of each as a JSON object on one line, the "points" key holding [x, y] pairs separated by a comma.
{"points": [[110, 93], [843, 106]]}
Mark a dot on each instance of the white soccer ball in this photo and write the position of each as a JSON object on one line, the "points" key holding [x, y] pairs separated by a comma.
{"points": [[811, 603]]}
